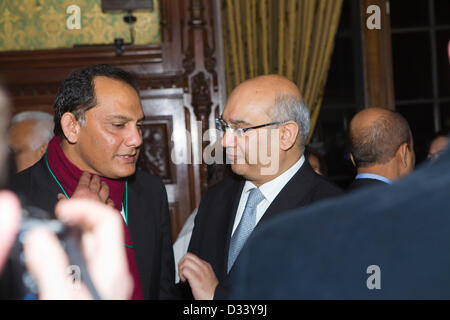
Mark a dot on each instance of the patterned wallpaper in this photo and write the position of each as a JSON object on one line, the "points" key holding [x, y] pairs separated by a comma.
{"points": [[42, 24]]}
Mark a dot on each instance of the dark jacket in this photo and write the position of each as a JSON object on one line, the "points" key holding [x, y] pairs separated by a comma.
{"points": [[148, 222], [358, 184], [214, 222], [394, 236]]}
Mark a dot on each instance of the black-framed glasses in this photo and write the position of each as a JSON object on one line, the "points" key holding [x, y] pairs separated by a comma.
{"points": [[223, 126]]}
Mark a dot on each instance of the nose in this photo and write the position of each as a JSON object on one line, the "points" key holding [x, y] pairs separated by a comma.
{"points": [[134, 137]]}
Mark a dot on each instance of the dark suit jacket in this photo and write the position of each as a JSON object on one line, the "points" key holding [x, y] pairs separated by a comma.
{"points": [[364, 183], [214, 221], [324, 252], [148, 222]]}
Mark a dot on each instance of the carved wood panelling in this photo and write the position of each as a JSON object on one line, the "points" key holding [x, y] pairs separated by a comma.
{"points": [[156, 148]]}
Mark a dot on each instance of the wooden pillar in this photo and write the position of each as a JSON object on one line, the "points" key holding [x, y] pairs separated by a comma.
{"points": [[377, 54], [203, 72]]}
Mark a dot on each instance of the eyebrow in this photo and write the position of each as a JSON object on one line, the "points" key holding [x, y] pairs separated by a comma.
{"points": [[122, 117], [239, 122]]}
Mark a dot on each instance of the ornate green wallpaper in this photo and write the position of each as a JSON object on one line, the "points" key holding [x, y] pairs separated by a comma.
{"points": [[48, 24]]}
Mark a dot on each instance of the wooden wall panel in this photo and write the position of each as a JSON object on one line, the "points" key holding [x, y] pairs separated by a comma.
{"points": [[180, 91], [377, 57]]}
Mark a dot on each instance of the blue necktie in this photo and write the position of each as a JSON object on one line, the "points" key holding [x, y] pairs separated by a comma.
{"points": [[245, 226]]}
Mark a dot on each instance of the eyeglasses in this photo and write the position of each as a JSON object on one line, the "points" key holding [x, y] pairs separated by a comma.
{"points": [[223, 126]]}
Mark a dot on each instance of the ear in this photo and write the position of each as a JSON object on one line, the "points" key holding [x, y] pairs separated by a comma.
{"points": [[70, 126], [288, 135], [42, 149], [402, 155], [353, 160]]}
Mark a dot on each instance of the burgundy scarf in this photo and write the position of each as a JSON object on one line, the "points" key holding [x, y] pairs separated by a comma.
{"points": [[68, 175]]}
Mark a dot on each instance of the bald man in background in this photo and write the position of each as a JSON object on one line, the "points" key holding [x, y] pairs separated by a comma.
{"points": [[265, 124], [381, 147], [29, 135]]}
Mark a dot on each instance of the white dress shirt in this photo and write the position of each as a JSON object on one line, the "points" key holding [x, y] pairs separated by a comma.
{"points": [[270, 190], [181, 245]]}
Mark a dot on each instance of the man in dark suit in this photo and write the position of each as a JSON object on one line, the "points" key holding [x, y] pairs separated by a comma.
{"points": [[381, 147], [395, 248], [98, 115], [265, 125]]}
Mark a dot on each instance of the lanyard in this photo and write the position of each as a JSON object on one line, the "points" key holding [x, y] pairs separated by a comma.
{"points": [[59, 184]]}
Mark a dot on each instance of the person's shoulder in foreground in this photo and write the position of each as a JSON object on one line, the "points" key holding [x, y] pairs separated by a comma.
{"points": [[396, 248]]}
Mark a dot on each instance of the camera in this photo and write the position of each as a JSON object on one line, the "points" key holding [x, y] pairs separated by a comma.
{"points": [[15, 281]]}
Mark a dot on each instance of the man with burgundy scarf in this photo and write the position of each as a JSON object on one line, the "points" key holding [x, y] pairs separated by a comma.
{"points": [[98, 119]]}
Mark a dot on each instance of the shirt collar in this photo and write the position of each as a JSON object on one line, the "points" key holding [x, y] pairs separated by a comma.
{"points": [[271, 188], [373, 176]]}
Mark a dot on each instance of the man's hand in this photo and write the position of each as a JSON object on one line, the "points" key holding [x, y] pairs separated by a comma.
{"points": [[102, 247], [93, 189], [200, 275]]}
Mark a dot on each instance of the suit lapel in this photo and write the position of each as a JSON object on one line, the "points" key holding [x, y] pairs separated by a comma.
{"points": [[294, 194], [231, 207], [139, 228], [133, 205], [136, 212], [48, 191]]}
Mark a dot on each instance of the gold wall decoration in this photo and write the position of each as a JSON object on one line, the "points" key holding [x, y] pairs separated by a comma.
{"points": [[42, 24]]}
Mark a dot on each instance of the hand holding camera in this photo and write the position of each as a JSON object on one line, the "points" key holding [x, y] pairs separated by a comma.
{"points": [[92, 236]]}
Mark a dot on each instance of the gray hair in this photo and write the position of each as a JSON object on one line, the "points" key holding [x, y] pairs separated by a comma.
{"points": [[289, 107], [42, 131]]}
